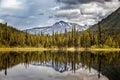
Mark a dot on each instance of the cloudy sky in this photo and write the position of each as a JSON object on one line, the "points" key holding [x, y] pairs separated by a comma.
{"points": [[25, 14]]}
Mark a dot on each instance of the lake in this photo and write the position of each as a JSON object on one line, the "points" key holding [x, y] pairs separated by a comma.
{"points": [[59, 65]]}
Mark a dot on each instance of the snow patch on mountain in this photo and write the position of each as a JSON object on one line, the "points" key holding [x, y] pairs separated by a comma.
{"points": [[58, 27]]}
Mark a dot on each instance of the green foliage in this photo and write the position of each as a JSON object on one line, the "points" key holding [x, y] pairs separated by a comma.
{"points": [[10, 37]]}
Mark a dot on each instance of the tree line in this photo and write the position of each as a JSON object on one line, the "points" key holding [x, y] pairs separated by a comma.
{"points": [[11, 37]]}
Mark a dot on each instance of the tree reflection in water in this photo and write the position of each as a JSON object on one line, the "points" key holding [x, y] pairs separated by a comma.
{"points": [[106, 63]]}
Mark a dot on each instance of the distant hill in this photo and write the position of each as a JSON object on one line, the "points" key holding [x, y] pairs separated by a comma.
{"points": [[4, 27], [10, 36], [110, 24]]}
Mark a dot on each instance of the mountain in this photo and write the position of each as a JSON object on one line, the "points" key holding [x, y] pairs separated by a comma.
{"points": [[111, 24], [58, 27]]}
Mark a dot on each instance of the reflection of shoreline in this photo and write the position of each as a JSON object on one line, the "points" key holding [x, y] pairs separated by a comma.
{"points": [[46, 73], [57, 49], [97, 60]]}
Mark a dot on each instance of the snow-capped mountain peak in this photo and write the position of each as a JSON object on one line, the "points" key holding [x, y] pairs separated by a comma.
{"points": [[58, 27], [61, 23]]}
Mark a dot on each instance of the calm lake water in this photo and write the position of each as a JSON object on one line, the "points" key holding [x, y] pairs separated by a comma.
{"points": [[59, 65]]}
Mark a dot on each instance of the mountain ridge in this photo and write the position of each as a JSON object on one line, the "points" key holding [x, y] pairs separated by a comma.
{"points": [[58, 27]]}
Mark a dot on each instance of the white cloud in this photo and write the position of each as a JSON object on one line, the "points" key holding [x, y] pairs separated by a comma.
{"points": [[71, 11], [1, 20], [11, 4], [113, 4], [24, 14], [32, 17], [31, 13], [91, 8], [51, 21], [55, 8], [86, 13]]}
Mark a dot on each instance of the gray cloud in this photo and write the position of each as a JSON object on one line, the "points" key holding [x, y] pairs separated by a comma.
{"points": [[90, 10], [24, 14], [68, 14], [41, 13], [27, 14], [80, 1], [50, 16]]}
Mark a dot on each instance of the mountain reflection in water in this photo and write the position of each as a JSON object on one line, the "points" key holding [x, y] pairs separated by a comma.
{"points": [[106, 63]]}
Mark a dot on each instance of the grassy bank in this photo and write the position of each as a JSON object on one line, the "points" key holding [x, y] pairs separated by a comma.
{"points": [[67, 49]]}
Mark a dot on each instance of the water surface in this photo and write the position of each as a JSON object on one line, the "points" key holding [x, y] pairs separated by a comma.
{"points": [[59, 65]]}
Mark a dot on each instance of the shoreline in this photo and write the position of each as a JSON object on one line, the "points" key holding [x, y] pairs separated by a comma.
{"points": [[56, 49]]}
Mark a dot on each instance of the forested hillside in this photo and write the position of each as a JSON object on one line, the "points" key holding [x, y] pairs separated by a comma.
{"points": [[110, 24], [10, 37]]}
